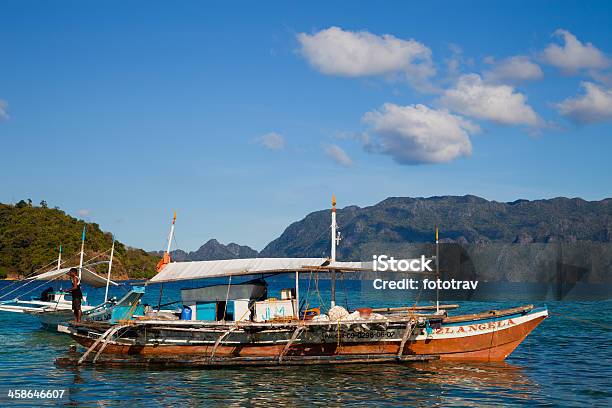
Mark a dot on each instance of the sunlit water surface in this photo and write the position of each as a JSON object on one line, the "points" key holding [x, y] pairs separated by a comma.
{"points": [[563, 362]]}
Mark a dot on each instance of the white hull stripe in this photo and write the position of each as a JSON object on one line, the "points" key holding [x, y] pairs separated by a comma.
{"points": [[470, 329]]}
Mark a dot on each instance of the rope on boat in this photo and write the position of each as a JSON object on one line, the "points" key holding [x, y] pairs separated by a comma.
{"points": [[321, 302], [346, 296], [45, 282], [582, 320], [307, 299], [229, 285], [97, 256], [85, 264], [26, 277]]}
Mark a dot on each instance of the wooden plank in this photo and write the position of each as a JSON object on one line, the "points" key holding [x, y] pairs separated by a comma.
{"points": [[294, 337], [490, 313], [187, 361], [105, 342], [112, 329], [287, 325], [407, 333], [221, 337], [408, 308]]}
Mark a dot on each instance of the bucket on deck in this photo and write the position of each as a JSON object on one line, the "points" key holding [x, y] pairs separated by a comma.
{"points": [[365, 312], [186, 313]]}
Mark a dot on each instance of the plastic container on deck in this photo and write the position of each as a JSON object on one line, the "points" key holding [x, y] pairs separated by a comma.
{"points": [[186, 313]]}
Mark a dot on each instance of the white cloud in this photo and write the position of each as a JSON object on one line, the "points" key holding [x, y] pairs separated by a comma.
{"points": [[517, 68], [574, 55], [338, 155], [84, 212], [416, 134], [361, 137], [454, 62], [271, 141], [3, 114], [601, 76], [347, 53], [499, 103], [595, 105]]}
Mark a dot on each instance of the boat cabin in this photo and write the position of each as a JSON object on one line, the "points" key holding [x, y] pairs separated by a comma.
{"points": [[237, 302]]}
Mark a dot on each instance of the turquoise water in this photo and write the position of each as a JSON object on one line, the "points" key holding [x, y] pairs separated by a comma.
{"points": [[563, 362]]}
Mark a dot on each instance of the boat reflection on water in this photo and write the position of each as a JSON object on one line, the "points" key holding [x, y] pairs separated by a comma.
{"points": [[494, 378], [433, 383]]}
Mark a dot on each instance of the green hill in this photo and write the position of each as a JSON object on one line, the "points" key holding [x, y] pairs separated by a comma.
{"points": [[31, 235]]}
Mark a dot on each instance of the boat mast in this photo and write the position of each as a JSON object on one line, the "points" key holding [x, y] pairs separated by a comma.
{"points": [[110, 266], [437, 273], [82, 252], [171, 234], [297, 294], [334, 242], [59, 258], [165, 259]]}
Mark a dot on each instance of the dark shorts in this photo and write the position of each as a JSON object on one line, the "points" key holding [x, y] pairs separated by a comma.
{"points": [[76, 304]]}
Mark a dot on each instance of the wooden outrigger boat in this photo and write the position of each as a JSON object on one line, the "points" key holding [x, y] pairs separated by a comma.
{"points": [[52, 306], [489, 336], [258, 330]]}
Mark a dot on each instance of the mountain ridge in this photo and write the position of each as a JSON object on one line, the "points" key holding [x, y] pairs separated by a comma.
{"points": [[462, 219], [212, 250], [467, 219], [30, 235]]}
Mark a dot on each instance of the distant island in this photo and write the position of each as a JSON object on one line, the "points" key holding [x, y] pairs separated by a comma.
{"points": [[30, 235], [212, 249]]}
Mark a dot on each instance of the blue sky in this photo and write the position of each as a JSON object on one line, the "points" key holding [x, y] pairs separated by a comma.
{"points": [[245, 117]]}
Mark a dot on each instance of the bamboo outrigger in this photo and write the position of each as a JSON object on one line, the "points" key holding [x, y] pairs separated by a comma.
{"points": [[257, 331]]}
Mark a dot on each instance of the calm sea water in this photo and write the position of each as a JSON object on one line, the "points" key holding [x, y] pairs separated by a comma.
{"points": [[563, 362]]}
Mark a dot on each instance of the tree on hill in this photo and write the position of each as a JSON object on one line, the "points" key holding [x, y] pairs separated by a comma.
{"points": [[30, 238]]}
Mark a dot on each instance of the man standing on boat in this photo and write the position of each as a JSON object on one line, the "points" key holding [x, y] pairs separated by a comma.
{"points": [[76, 293]]}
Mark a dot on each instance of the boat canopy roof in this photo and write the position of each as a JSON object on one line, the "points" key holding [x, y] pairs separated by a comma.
{"points": [[177, 271], [87, 276]]}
